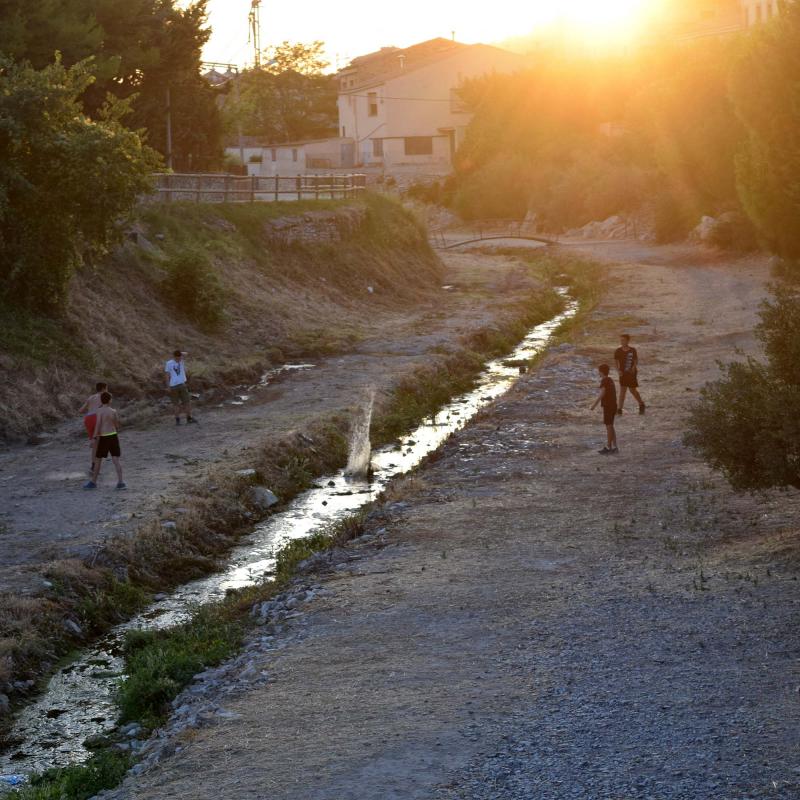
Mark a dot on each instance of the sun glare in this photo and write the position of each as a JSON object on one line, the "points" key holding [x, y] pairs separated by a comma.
{"points": [[602, 19]]}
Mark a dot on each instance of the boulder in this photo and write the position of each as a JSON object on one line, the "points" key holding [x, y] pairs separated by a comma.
{"points": [[262, 498]]}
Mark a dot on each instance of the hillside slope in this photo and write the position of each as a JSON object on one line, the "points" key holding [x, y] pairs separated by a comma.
{"points": [[241, 288]]}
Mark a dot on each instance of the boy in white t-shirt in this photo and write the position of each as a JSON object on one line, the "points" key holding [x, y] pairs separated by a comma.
{"points": [[175, 370]]}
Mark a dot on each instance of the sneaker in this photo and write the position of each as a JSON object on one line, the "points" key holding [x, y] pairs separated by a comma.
{"points": [[619, 412], [605, 451], [190, 420], [641, 409], [122, 485], [177, 420], [90, 485]]}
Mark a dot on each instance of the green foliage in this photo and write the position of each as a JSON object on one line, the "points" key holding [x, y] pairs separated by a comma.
{"points": [[290, 99], [104, 770], [194, 288], [139, 47], [747, 424], [765, 88], [159, 663], [65, 180]]}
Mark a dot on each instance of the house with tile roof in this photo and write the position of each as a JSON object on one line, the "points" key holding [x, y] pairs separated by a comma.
{"points": [[401, 109]]}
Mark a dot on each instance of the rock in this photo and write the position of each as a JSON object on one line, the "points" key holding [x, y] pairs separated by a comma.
{"points": [[292, 603], [4, 704], [72, 627], [169, 524], [246, 473], [39, 438], [157, 598], [131, 731], [262, 498]]}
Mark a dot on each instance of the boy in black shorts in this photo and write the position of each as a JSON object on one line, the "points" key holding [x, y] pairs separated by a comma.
{"points": [[628, 368], [106, 432], [608, 399]]}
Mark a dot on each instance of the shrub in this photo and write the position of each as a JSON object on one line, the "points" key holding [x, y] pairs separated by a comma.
{"points": [[193, 287], [747, 424], [733, 231], [104, 770]]}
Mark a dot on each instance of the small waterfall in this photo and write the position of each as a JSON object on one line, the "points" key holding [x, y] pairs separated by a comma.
{"points": [[358, 462]]}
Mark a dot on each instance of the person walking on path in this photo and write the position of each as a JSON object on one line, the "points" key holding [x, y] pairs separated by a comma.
{"points": [[175, 370], [106, 432], [89, 411], [628, 368], [608, 400]]}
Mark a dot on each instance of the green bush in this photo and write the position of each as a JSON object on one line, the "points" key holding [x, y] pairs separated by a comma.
{"points": [[103, 770], [747, 424], [193, 288], [160, 663], [499, 190]]}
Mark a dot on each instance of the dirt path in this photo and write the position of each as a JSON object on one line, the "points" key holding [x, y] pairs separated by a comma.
{"points": [[536, 621], [44, 514]]}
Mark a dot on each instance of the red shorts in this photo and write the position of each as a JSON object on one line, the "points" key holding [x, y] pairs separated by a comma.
{"points": [[89, 421]]}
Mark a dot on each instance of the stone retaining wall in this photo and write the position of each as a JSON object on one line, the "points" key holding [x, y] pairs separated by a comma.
{"points": [[317, 227]]}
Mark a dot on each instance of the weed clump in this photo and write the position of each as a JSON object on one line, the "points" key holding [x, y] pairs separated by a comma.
{"points": [[104, 770], [194, 288]]}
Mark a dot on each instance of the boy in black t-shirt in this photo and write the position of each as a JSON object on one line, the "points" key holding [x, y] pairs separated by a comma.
{"points": [[628, 368], [608, 399]]}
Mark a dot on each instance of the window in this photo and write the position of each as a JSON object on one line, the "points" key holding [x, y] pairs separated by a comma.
{"points": [[294, 154], [344, 132], [372, 104], [419, 145], [274, 154], [377, 148]]}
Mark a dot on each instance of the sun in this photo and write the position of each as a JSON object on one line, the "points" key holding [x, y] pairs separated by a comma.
{"points": [[602, 19]]}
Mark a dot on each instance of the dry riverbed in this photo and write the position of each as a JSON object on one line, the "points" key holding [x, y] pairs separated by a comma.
{"points": [[527, 619]]}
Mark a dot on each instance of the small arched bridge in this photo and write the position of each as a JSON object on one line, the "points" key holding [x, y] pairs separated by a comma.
{"points": [[489, 230]]}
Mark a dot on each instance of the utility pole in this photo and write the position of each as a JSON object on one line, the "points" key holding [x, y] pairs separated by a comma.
{"points": [[254, 37], [169, 128]]}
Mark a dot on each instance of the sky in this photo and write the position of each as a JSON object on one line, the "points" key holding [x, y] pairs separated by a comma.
{"points": [[362, 26]]}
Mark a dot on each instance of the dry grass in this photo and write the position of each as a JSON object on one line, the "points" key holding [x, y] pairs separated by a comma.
{"points": [[281, 302]]}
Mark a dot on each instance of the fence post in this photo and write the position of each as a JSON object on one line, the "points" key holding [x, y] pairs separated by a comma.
{"points": [[168, 194], [198, 186], [253, 186], [277, 187], [225, 191], [316, 187], [299, 182]]}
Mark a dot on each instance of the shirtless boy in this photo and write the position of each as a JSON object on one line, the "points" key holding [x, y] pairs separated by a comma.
{"points": [[89, 409], [106, 432]]}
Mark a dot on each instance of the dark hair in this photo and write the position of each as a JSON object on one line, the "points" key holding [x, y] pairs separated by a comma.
{"points": [[105, 398], [604, 368], [625, 336], [100, 386], [177, 354]]}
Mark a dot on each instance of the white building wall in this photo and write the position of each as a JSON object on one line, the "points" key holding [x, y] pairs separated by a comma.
{"points": [[420, 103]]}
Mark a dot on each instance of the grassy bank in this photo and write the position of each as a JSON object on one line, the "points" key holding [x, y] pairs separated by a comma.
{"points": [[221, 281]]}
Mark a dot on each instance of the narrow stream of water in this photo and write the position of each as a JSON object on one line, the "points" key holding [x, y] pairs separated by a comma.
{"points": [[79, 700]]}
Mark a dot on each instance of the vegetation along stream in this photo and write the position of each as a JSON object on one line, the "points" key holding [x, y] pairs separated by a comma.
{"points": [[79, 702]]}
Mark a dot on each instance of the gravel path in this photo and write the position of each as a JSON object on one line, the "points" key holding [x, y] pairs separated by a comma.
{"points": [[531, 620]]}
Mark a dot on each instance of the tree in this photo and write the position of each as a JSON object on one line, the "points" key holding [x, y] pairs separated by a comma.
{"points": [[766, 91], [747, 424], [289, 99], [65, 179], [139, 48]]}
